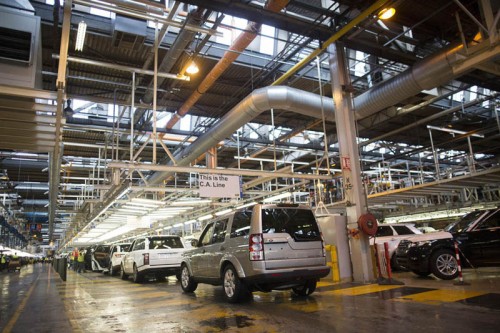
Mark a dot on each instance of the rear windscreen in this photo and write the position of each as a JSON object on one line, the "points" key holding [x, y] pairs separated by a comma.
{"points": [[165, 243], [298, 223]]}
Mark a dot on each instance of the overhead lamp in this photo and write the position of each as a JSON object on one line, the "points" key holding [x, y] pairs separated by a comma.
{"points": [[386, 13], [80, 36], [192, 68]]}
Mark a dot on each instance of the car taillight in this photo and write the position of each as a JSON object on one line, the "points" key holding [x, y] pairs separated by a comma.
{"points": [[146, 258], [323, 244], [256, 247]]}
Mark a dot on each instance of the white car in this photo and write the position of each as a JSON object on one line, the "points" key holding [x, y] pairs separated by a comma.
{"points": [[159, 256], [392, 234], [115, 257]]}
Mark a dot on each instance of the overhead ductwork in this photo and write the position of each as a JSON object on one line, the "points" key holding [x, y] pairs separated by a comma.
{"points": [[429, 73], [20, 47], [260, 100]]}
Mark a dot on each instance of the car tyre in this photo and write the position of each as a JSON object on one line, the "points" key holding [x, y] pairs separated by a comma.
{"points": [[234, 289], [123, 275], [137, 277], [444, 264], [111, 270], [187, 283], [306, 289]]}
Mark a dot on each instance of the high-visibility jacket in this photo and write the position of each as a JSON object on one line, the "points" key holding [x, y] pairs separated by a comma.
{"points": [[80, 257], [3, 261]]}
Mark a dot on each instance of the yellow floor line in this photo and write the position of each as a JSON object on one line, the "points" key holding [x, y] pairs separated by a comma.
{"points": [[360, 290], [20, 308], [440, 296]]}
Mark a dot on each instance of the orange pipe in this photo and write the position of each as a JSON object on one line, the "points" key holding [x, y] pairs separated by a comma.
{"points": [[240, 44]]}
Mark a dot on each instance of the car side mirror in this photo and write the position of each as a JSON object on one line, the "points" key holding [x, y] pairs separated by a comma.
{"points": [[194, 242]]}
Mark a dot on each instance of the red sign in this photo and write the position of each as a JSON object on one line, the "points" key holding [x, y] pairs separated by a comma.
{"points": [[346, 163]]}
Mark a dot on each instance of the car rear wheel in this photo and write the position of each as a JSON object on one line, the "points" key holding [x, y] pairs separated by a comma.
{"points": [[187, 283], [111, 270], [306, 289], [444, 264], [234, 289], [137, 277], [123, 275]]}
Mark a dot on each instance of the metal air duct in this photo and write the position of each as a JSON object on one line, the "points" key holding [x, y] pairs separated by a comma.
{"points": [[260, 100]]}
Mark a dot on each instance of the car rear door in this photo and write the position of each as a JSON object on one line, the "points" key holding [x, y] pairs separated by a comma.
{"points": [[481, 245], [291, 238], [197, 256], [216, 249]]}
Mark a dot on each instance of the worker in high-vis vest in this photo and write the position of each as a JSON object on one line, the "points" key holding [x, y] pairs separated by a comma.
{"points": [[3, 262], [81, 262]]}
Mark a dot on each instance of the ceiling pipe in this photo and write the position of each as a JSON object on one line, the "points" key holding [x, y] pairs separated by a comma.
{"points": [[238, 46], [431, 72], [260, 100]]}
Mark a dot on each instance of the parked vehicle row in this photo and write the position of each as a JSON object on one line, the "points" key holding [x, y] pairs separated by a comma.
{"points": [[477, 235]]}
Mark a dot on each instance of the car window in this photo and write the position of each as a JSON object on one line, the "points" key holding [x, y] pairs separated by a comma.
{"points": [[165, 243], [205, 236], [298, 223], [219, 231], [123, 248], [464, 223], [491, 222], [140, 244], [403, 230], [241, 223], [384, 230]]}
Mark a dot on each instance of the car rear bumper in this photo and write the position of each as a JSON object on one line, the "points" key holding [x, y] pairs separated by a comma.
{"points": [[163, 270], [288, 276]]}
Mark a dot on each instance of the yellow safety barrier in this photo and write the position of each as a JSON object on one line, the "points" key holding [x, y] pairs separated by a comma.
{"points": [[334, 264]]}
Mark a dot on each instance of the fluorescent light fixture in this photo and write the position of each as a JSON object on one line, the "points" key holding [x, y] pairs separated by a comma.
{"points": [[247, 205], [205, 217], [80, 36], [190, 221], [222, 212], [278, 197], [178, 225], [189, 202]]}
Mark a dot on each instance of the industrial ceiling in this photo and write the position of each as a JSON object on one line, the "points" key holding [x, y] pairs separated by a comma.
{"points": [[424, 86]]}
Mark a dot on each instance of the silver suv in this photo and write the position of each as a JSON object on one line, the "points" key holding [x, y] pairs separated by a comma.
{"points": [[258, 249]]}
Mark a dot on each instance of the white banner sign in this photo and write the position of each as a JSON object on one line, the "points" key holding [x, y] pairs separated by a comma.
{"points": [[219, 186]]}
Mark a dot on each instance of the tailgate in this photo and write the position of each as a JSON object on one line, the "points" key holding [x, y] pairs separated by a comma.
{"points": [[165, 257], [282, 251]]}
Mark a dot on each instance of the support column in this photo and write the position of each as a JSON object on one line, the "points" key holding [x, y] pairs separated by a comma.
{"points": [[353, 190]]}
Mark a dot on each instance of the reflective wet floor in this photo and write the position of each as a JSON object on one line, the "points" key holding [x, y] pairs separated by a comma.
{"points": [[37, 300]]}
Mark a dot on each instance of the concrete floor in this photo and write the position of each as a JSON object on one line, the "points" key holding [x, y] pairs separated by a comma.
{"points": [[37, 300]]}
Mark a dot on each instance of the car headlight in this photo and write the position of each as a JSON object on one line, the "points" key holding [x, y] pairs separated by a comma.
{"points": [[422, 243]]}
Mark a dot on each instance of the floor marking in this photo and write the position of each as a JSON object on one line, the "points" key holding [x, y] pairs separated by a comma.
{"points": [[20, 308], [436, 297], [360, 290]]}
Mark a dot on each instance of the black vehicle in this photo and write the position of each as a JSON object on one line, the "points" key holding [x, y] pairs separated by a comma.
{"points": [[477, 235]]}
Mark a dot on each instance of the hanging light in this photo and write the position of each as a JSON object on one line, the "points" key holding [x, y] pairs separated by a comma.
{"points": [[80, 36], [386, 13], [192, 68]]}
